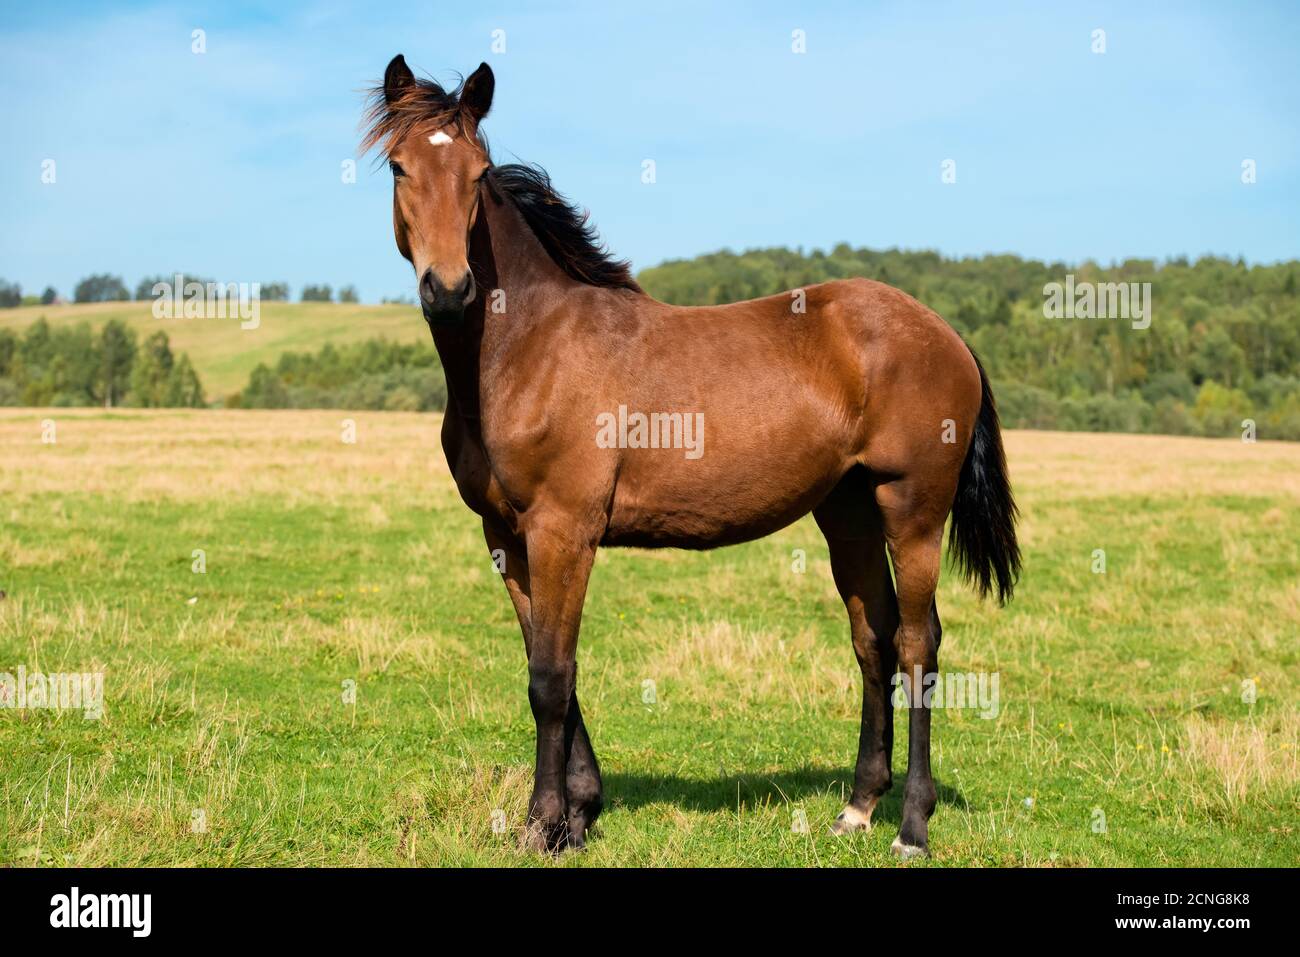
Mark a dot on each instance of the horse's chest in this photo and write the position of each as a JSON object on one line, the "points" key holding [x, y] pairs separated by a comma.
{"points": [[473, 475]]}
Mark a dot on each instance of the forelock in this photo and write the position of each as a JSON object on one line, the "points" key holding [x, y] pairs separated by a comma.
{"points": [[422, 107]]}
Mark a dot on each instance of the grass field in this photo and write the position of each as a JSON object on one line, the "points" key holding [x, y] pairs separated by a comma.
{"points": [[225, 738], [222, 352]]}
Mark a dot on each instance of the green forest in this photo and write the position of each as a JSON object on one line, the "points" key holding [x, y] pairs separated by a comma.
{"points": [[371, 375], [76, 366], [1223, 344]]}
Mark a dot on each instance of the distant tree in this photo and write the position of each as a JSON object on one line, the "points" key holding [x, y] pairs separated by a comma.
{"points": [[1176, 385], [321, 293], [1217, 357], [184, 391], [144, 288], [1220, 410], [49, 296], [37, 347], [10, 294], [53, 366], [117, 353], [151, 372], [264, 390], [75, 365], [101, 288], [275, 292], [8, 349], [348, 294]]}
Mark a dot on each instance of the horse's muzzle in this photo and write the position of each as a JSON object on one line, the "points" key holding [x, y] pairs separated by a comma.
{"points": [[443, 306]]}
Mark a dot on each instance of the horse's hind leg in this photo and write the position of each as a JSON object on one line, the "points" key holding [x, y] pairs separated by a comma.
{"points": [[914, 514], [850, 521]]}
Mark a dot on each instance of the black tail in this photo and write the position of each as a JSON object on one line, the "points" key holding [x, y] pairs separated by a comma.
{"points": [[982, 540]]}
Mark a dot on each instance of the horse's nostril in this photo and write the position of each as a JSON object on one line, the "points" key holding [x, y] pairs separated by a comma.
{"points": [[428, 291]]}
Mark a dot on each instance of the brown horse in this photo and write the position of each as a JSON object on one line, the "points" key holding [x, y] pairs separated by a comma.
{"points": [[582, 413]]}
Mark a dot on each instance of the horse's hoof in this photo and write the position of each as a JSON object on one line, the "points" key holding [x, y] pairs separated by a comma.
{"points": [[533, 839], [580, 825], [906, 852], [851, 819], [544, 839]]}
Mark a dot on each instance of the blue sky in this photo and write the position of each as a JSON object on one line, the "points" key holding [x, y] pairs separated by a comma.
{"points": [[228, 163]]}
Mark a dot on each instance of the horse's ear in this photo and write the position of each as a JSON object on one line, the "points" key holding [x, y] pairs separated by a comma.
{"points": [[397, 78], [476, 97]]}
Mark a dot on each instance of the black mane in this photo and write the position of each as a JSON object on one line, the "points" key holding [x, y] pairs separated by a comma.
{"points": [[563, 229]]}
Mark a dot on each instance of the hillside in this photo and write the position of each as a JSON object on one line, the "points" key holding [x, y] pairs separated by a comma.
{"points": [[222, 352]]}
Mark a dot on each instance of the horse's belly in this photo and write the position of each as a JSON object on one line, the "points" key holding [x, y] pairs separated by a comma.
{"points": [[689, 505]]}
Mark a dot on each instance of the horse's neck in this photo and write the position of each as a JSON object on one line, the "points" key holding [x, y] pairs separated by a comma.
{"points": [[512, 273], [458, 350]]}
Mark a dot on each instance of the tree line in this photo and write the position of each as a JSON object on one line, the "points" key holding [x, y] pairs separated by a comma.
{"points": [[74, 366], [374, 374], [105, 287]]}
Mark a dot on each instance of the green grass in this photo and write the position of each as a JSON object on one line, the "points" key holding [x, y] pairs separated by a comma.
{"points": [[329, 563], [222, 352]]}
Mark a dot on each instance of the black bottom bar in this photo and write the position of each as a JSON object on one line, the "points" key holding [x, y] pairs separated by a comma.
{"points": [[337, 906]]}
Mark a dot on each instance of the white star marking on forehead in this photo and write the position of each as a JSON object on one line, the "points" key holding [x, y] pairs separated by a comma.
{"points": [[439, 138]]}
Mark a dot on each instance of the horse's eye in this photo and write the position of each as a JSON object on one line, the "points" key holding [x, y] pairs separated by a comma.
{"points": [[396, 168]]}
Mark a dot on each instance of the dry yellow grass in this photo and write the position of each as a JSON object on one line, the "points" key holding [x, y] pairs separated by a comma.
{"points": [[214, 456], [1083, 465], [198, 454], [1245, 758]]}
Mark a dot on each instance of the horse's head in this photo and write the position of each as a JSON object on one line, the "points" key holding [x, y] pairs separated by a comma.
{"points": [[431, 139]]}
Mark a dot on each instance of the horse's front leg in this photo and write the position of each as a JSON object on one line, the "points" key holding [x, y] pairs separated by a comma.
{"points": [[582, 787], [560, 557]]}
